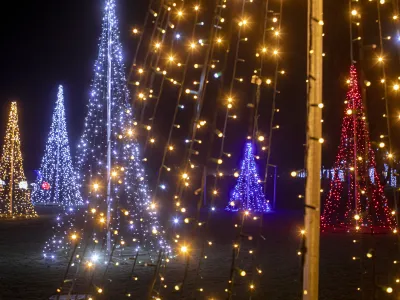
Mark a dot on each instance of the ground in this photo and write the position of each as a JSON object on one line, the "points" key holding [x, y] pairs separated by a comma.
{"points": [[24, 274]]}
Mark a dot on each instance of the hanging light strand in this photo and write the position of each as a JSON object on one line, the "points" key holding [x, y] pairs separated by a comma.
{"points": [[141, 35], [154, 62], [203, 83], [230, 97], [386, 98], [170, 63], [143, 70], [205, 237], [168, 147]]}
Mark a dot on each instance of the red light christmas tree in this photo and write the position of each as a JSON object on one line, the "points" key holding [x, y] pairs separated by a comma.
{"points": [[356, 198]]}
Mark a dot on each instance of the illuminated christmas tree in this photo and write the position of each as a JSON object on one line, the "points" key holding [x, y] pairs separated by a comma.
{"points": [[14, 194], [56, 183], [248, 193], [111, 174], [356, 198]]}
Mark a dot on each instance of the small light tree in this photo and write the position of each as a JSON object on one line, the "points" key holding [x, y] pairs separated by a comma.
{"points": [[56, 183], [248, 193]]}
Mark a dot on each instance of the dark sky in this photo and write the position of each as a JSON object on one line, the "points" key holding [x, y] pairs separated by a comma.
{"points": [[46, 43]]}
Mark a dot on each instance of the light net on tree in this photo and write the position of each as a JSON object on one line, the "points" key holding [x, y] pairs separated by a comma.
{"points": [[14, 195], [356, 199], [132, 209], [134, 220], [56, 183], [248, 194]]}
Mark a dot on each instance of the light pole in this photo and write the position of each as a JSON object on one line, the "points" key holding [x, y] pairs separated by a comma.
{"points": [[313, 142], [275, 178]]}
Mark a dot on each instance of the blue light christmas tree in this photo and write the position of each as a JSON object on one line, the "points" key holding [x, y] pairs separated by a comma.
{"points": [[110, 170], [248, 194], [56, 183]]}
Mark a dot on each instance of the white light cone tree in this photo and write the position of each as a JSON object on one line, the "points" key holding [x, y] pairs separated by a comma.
{"points": [[56, 182]]}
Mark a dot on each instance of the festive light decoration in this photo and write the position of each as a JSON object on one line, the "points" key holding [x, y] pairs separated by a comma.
{"points": [[365, 205], [45, 186], [248, 194], [56, 183], [211, 68], [23, 185], [123, 187], [14, 196], [109, 81]]}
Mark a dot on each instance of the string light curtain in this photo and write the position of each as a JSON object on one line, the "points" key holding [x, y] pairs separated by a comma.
{"points": [[56, 183], [356, 204], [14, 195]]}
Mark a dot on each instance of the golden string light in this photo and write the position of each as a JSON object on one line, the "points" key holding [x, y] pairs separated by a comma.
{"points": [[15, 200], [168, 147], [381, 59], [193, 140], [198, 124]]}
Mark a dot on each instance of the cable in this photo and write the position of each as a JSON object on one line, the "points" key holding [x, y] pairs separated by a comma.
{"points": [[146, 19], [178, 103], [163, 80], [153, 65], [199, 104], [156, 22], [207, 160], [273, 109], [230, 97]]}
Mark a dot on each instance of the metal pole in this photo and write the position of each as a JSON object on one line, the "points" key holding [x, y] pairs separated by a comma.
{"points": [[354, 120], [248, 180], [109, 80], [185, 275], [67, 270], [205, 186], [275, 174], [355, 160], [156, 272], [55, 194], [12, 159], [274, 192], [313, 162], [131, 273]]}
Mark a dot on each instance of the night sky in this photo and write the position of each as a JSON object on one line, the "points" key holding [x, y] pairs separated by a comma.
{"points": [[46, 43]]}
